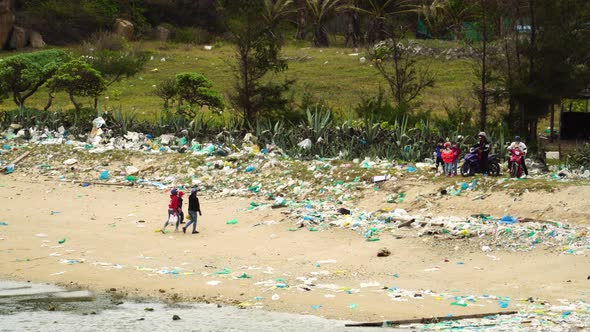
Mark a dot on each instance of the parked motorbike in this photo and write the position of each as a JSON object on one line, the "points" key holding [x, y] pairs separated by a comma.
{"points": [[471, 164], [515, 163]]}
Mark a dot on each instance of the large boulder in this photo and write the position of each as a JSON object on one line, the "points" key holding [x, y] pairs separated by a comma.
{"points": [[19, 38], [36, 40], [7, 19], [162, 33], [124, 28]]}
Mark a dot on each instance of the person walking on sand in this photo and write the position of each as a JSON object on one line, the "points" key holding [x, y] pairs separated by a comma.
{"points": [[172, 209], [180, 213], [193, 208]]}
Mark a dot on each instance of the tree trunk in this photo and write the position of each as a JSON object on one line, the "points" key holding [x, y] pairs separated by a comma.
{"points": [[76, 105], [483, 106], [353, 29], [320, 37], [552, 124], [301, 20], [49, 102]]}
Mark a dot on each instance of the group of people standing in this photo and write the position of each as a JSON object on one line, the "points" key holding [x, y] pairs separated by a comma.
{"points": [[176, 214], [447, 155]]}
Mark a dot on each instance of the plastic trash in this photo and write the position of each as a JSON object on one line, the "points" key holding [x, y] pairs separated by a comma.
{"points": [[279, 202], [62, 241], [305, 144], [9, 169], [2, 223], [411, 169], [508, 220], [232, 222], [250, 169], [98, 122], [104, 175]]}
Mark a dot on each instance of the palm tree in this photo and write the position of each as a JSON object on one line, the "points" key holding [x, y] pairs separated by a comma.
{"points": [[457, 12], [320, 12], [379, 12], [434, 15], [276, 10], [353, 37], [301, 19]]}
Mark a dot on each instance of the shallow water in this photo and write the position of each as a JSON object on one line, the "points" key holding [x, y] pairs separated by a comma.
{"points": [[24, 307]]}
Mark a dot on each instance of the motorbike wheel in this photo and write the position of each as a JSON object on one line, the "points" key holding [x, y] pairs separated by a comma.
{"points": [[466, 169], [494, 169], [514, 170]]}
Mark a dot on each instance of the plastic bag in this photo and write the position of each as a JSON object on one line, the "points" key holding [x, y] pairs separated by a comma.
{"points": [[172, 219]]}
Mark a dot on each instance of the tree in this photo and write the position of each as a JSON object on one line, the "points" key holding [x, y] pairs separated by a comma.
{"points": [[434, 15], [301, 20], [321, 11], [546, 57], [112, 56], [258, 45], [399, 68], [166, 91], [353, 36], [196, 90], [77, 79], [486, 12], [380, 12], [22, 75]]}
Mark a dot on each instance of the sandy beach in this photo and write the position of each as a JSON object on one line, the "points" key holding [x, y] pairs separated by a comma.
{"points": [[111, 242]]}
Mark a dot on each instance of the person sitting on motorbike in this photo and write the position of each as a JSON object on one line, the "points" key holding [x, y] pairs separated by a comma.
{"points": [[519, 144], [483, 147]]}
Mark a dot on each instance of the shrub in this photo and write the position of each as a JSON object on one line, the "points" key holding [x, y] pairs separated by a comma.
{"points": [[77, 79]]}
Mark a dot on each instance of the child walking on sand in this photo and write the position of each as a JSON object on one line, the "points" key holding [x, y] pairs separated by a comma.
{"points": [[193, 208], [448, 157], [172, 209]]}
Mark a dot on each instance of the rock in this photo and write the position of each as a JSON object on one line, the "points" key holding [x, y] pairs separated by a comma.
{"points": [[36, 40], [18, 39], [383, 252], [175, 317], [131, 170], [148, 309], [162, 33], [7, 19], [124, 28]]}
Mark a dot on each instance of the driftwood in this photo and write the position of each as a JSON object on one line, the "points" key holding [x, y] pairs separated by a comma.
{"points": [[130, 184], [18, 160], [537, 220], [431, 320], [407, 223]]}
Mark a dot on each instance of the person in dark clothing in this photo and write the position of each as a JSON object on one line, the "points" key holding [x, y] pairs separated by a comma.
{"points": [[438, 153], [193, 208], [180, 213], [483, 152]]}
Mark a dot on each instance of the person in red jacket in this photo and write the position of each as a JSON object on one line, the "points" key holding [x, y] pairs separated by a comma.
{"points": [[172, 209], [448, 157]]}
